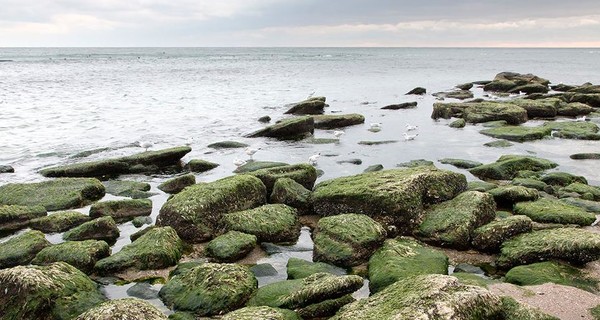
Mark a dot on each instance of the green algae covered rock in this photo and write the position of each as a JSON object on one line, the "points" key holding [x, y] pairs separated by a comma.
{"points": [[532, 183], [509, 195], [128, 308], [303, 173], [175, 185], [55, 194], [574, 109], [254, 313], [457, 124], [562, 179], [508, 166], [210, 289], [586, 191], [59, 221], [460, 163], [21, 249], [574, 130], [15, 217], [254, 165], [425, 297], [83, 255], [313, 105], [289, 192], [121, 210], [451, 223], [298, 268], [58, 291], [499, 144], [489, 237], [576, 246], [550, 271], [131, 189], [554, 211], [196, 212], [518, 133], [390, 196], [227, 145], [157, 158], [481, 186], [587, 205], [104, 228], [542, 108], [158, 248], [198, 165], [479, 112], [402, 258], [332, 121], [269, 223], [346, 239], [473, 279], [294, 128], [513, 309], [231, 246], [300, 293], [324, 309]]}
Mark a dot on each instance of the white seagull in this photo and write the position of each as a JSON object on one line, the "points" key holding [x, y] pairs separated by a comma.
{"points": [[411, 128], [581, 119], [312, 160], [338, 133], [375, 127], [146, 145], [251, 151], [408, 137], [238, 162]]}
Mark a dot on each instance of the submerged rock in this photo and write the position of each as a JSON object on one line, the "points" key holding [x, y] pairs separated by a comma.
{"points": [[405, 105], [574, 130], [83, 255], [333, 121], [347, 239], [403, 258], [489, 237], [121, 210], [175, 185], [57, 291], [58, 194], [196, 212], [415, 163], [554, 211], [550, 271], [21, 249], [498, 144], [313, 105], [269, 223], [289, 129], [210, 289], [418, 91], [198, 165], [254, 313], [231, 246], [508, 166], [227, 144], [289, 192], [460, 163], [128, 308], [103, 228], [518, 133], [14, 217], [585, 156], [59, 221]]}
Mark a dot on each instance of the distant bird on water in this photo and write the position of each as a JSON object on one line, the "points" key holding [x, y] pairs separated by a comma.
{"points": [[312, 160], [375, 127], [408, 137], [411, 128], [251, 151], [338, 133]]}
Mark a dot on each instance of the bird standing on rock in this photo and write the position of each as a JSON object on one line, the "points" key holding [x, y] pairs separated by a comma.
{"points": [[146, 145], [251, 151], [238, 162]]}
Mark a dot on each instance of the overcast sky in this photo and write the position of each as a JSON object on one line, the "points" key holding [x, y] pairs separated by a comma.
{"points": [[515, 23]]}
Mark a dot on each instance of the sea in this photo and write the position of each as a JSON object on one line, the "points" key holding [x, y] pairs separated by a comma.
{"points": [[58, 102]]}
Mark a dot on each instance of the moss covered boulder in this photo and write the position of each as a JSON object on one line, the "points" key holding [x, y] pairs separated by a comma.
{"points": [[254, 313], [289, 129], [253, 165], [301, 293], [562, 179], [196, 212], [101, 169], [58, 291], [489, 237], [210, 289], [104, 228], [131, 189], [479, 112], [332, 121], [347, 239], [574, 130], [394, 197], [532, 183], [231, 246], [587, 205], [401, 258], [574, 109], [83, 255], [513, 309], [21, 249], [509, 195], [587, 192], [269, 223], [481, 186], [59, 221], [128, 308], [175, 185], [199, 165], [158, 248], [541, 108], [550, 271], [592, 100], [508, 166], [303, 173], [298, 268], [314, 105], [518, 133], [554, 211], [15, 217], [289, 192], [121, 210], [451, 223], [58, 194], [425, 297], [461, 163], [576, 246], [458, 124], [227, 145]]}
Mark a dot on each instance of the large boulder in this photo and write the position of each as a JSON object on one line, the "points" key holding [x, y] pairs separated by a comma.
{"points": [[303, 173], [333, 121], [402, 258], [570, 244], [269, 223], [175, 185], [586, 191], [298, 268], [128, 308], [21, 249], [489, 237], [573, 130], [347, 239], [59, 221], [6, 169], [542, 108], [314, 105], [289, 192], [199, 165], [230, 246], [508, 166], [263, 312], [550, 271], [15, 217], [210, 289], [562, 179], [196, 212], [104, 228], [58, 291], [83, 255], [479, 112], [101, 169], [131, 189], [227, 145], [55, 194], [554, 211], [425, 297], [158, 248], [289, 129], [592, 99], [253, 165], [394, 197], [451, 223], [121, 210], [574, 109], [518, 133], [508, 195]]}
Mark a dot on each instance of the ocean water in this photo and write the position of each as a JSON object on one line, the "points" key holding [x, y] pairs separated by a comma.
{"points": [[56, 102]]}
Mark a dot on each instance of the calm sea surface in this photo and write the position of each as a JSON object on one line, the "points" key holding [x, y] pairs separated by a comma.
{"points": [[57, 102]]}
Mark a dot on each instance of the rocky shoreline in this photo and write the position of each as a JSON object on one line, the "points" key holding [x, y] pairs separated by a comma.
{"points": [[426, 242]]}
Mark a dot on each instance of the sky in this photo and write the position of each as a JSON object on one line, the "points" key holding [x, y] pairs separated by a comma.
{"points": [[325, 23]]}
